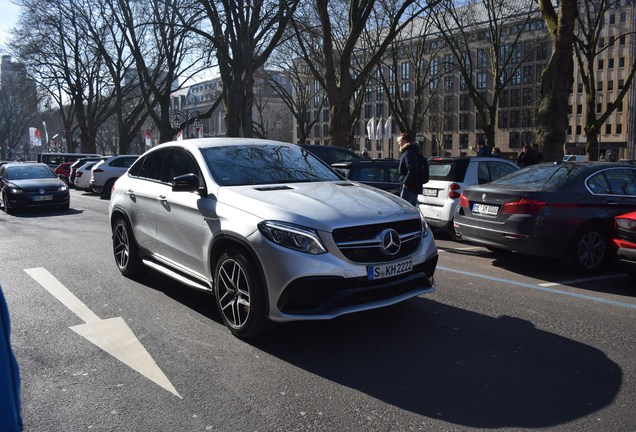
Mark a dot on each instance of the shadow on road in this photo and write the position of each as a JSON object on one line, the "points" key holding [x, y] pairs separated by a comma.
{"points": [[455, 365]]}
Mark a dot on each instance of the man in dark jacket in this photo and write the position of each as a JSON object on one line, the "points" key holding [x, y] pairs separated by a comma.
{"points": [[410, 168], [10, 420]]}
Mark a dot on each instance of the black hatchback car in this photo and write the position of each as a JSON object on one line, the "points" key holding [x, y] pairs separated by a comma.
{"points": [[31, 184], [380, 173], [331, 154], [563, 210]]}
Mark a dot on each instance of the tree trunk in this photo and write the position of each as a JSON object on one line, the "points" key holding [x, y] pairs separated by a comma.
{"points": [[340, 122], [556, 84]]}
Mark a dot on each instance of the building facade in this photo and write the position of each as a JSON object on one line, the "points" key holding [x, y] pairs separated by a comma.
{"points": [[452, 125]]}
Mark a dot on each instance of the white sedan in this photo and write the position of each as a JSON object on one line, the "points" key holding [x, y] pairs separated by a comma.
{"points": [[83, 176]]}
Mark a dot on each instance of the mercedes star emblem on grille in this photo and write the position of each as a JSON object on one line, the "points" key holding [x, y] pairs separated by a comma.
{"points": [[390, 241]]}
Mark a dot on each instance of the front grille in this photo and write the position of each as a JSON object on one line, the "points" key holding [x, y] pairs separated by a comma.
{"points": [[363, 244]]}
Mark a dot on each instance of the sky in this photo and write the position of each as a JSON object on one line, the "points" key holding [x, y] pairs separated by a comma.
{"points": [[8, 18]]}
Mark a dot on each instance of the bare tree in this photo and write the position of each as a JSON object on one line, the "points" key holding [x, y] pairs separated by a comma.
{"points": [[299, 91], [487, 45], [18, 111], [588, 47], [409, 50], [342, 54], [51, 42], [242, 36], [556, 82], [158, 34]]}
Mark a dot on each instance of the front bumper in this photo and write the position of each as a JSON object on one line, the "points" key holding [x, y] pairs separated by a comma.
{"points": [[319, 287], [27, 200]]}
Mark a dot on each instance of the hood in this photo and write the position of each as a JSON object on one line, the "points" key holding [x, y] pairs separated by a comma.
{"points": [[319, 205], [31, 184]]}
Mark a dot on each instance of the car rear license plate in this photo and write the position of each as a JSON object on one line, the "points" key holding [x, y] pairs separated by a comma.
{"points": [[43, 198], [430, 192], [380, 271], [485, 209]]}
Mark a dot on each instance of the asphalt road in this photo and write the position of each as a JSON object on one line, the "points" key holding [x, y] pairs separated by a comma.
{"points": [[506, 342]]}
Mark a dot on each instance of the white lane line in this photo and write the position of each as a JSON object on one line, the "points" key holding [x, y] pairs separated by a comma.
{"points": [[581, 280], [111, 335], [540, 288]]}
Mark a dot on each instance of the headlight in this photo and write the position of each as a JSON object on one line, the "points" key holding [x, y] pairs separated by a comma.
{"points": [[292, 237], [14, 189], [425, 228], [62, 188]]}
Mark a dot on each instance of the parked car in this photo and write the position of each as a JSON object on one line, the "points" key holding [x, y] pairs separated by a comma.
{"points": [[331, 154], [380, 173], [448, 177], [78, 163], [30, 185], [625, 241], [83, 176], [272, 231], [64, 169], [561, 210], [105, 172]]}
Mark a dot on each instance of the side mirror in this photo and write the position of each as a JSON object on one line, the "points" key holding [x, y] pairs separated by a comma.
{"points": [[185, 183]]}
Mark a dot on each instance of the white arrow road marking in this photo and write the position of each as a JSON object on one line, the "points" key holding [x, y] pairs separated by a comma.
{"points": [[112, 335]]}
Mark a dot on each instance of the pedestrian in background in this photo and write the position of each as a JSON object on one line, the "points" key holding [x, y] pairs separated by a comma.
{"points": [[10, 419], [412, 169], [483, 150], [527, 157], [496, 152], [365, 154]]}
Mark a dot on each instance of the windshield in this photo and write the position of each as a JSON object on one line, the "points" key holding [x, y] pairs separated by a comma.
{"points": [[265, 164], [546, 176], [29, 172]]}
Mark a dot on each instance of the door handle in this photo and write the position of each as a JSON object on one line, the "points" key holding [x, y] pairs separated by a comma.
{"points": [[161, 197]]}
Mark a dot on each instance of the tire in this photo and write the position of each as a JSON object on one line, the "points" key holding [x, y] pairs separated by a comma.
{"points": [[590, 250], [451, 231], [240, 294], [107, 187], [7, 207], [125, 249]]}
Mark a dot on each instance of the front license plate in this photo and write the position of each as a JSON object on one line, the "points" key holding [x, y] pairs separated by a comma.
{"points": [[485, 209], [43, 198], [380, 271], [430, 192]]}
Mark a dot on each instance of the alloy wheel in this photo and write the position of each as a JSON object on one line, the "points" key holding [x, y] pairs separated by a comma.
{"points": [[592, 250], [233, 293], [121, 246]]}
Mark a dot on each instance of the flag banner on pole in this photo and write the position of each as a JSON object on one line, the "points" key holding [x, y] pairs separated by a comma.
{"points": [[379, 133], [34, 137], [201, 131], [371, 128], [388, 127], [148, 139], [180, 135]]}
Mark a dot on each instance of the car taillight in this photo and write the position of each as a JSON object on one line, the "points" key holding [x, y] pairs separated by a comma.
{"points": [[523, 206], [463, 201], [454, 187], [97, 170], [79, 174]]}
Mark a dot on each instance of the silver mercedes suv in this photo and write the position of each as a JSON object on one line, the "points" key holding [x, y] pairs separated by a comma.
{"points": [[273, 232]]}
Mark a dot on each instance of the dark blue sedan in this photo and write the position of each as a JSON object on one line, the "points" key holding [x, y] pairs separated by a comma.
{"points": [[563, 210]]}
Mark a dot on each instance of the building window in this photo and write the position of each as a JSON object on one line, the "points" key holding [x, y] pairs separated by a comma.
{"points": [[379, 93], [503, 119], [619, 108], [621, 62], [579, 109], [612, 19], [514, 140], [367, 94], [608, 129], [481, 80], [406, 70], [367, 111], [610, 63], [599, 107], [619, 129], [463, 141], [448, 141], [601, 64], [449, 84], [621, 40], [610, 85], [448, 62], [406, 89], [482, 58], [464, 121], [464, 102], [379, 110], [462, 84], [578, 130]]}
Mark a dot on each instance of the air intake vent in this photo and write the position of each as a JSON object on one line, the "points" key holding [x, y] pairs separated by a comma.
{"points": [[272, 188], [345, 184]]}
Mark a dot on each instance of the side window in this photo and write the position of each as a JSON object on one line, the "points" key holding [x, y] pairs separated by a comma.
{"points": [[483, 175], [500, 169], [621, 181], [598, 185], [153, 165], [183, 163]]}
